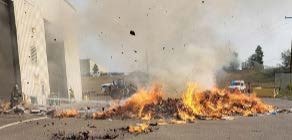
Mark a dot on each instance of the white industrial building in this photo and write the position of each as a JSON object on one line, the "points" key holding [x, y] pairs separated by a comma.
{"points": [[87, 68], [47, 49]]}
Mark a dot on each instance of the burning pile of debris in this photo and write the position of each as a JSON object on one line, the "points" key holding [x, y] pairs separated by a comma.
{"points": [[215, 104], [134, 106], [194, 104], [4, 106], [7, 108], [66, 113], [151, 106]]}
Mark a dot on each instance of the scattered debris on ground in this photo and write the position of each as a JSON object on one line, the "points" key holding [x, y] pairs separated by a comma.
{"points": [[113, 133], [280, 111]]}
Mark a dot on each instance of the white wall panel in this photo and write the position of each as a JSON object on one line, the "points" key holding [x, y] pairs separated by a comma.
{"points": [[31, 34]]}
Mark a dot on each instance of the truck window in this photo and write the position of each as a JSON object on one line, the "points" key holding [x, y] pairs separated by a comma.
{"points": [[235, 84]]}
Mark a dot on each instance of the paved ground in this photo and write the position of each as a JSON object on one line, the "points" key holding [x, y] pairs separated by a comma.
{"points": [[272, 127], [6, 119]]}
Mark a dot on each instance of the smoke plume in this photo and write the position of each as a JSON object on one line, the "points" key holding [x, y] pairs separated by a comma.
{"points": [[174, 42]]}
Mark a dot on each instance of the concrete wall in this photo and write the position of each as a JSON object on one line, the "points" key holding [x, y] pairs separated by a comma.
{"points": [[71, 50], [64, 16], [86, 67], [9, 66], [56, 61], [32, 50]]}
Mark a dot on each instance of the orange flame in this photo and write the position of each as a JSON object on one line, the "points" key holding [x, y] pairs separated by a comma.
{"points": [[134, 106], [143, 97], [138, 128], [218, 103], [195, 103], [67, 113]]}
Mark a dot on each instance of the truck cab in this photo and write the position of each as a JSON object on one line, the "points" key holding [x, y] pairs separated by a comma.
{"points": [[237, 85], [119, 89]]}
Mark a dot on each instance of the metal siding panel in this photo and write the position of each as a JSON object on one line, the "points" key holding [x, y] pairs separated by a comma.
{"points": [[32, 76]]}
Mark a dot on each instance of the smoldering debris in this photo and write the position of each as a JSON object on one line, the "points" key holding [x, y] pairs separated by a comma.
{"points": [[280, 111], [20, 109], [111, 133], [68, 113], [4, 106]]}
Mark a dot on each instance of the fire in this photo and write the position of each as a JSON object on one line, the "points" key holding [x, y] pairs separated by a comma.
{"points": [[138, 101], [218, 103], [194, 104], [134, 106], [67, 113], [4, 106], [138, 128]]}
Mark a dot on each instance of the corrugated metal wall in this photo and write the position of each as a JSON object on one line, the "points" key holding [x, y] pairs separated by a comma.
{"points": [[30, 15], [32, 50]]}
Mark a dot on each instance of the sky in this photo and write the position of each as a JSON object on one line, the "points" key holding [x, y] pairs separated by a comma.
{"points": [[258, 22], [240, 25]]}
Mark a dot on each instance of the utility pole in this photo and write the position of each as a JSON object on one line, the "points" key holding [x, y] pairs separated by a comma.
{"points": [[290, 67], [147, 64], [289, 17]]}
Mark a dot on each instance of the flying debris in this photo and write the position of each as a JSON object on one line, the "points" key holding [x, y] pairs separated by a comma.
{"points": [[135, 51], [132, 33]]}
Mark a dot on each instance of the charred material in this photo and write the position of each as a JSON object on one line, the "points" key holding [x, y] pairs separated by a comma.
{"points": [[108, 133]]}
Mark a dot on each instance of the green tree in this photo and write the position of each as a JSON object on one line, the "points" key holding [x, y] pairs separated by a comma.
{"points": [[286, 58], [95, 69], [255, 61], [259, 55]]}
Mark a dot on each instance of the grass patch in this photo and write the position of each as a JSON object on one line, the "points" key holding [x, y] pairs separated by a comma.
{"points": [[264, 92]]}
